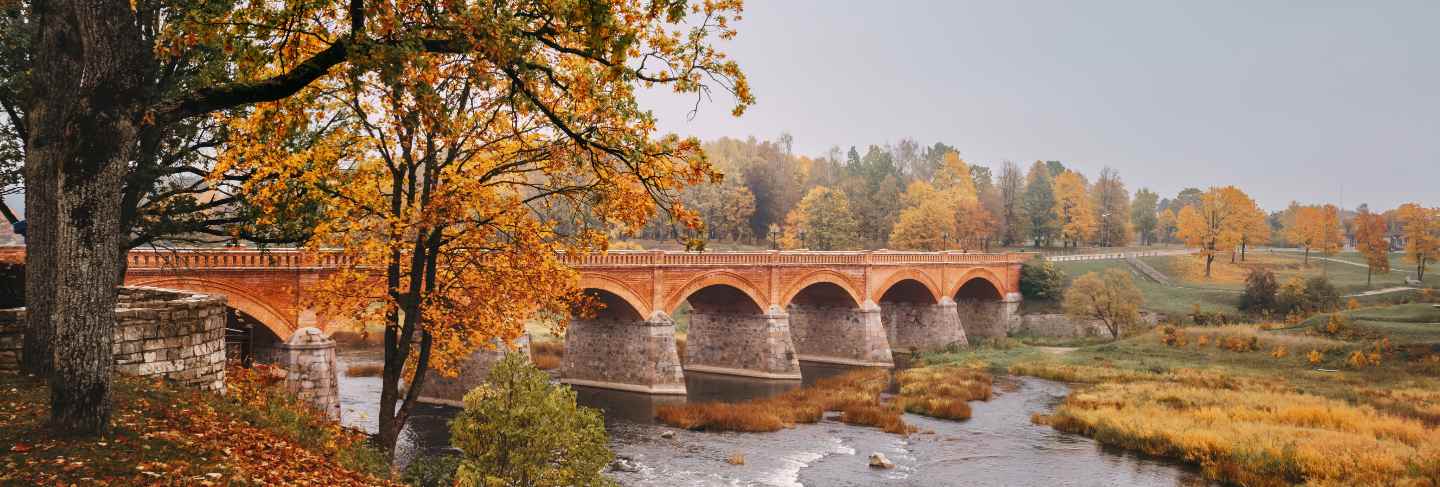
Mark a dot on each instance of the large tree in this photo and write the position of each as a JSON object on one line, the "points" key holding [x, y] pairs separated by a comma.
{"points": [[1421, 229], [1112, 209], [1213, 225], [93, 95], [1039, 204], [1371, 242], [1073, 210], [1011, 186], [1144, 215]]}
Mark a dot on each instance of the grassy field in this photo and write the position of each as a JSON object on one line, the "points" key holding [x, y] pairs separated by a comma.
{"points": [[1160, 298], [1356, 404]]}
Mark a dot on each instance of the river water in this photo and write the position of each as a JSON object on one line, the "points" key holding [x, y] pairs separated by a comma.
{"points": [[997, 446]]}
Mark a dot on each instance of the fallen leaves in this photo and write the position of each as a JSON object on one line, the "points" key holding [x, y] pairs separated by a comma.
{"points": [[164, 436]]}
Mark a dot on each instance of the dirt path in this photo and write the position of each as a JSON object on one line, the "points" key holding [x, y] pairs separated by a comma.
{"points": [[1057, 350]]}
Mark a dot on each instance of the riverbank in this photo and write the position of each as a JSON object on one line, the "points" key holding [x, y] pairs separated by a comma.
{"points": [[1354, 403], [166, 436]]}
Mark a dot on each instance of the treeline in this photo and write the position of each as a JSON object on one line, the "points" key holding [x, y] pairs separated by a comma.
{"points": [[917, 197]]}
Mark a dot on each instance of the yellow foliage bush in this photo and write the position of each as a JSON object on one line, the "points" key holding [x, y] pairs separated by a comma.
{"points": [[1280, 352], [1315, 357]]}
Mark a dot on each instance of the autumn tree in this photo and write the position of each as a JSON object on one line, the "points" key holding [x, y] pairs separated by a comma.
{"points": [[1110, 297], [1011, 217], [1112, 209], [1166, 224], [1421, 228], [1315, 227], [1073, 211], [1212, 226], [1144, 215], [1250, 224], [822, 221], [1371, 241], [929, 223], [1039, 205], [447, 171]]}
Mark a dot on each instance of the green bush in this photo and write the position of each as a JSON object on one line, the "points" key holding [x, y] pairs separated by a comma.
{"points": [[1040, 279], [431, 471], [1260, 292], [520, 430], [1313, 295]]}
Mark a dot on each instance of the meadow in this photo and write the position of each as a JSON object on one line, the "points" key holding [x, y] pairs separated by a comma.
{"points": [[1350, 398]]}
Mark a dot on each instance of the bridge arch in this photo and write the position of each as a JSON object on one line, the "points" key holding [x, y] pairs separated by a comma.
{"points": [[713, 279], [823, 276], [235, 297], [898, 280], [617, 288], [978, 283]]}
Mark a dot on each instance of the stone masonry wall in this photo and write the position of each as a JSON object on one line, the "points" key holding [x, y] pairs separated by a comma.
{"points": [[635, 355], [159, 333], [757, 345], [1059, 325], [921, 326], [450, 391], [307, 363], [840, 333]]}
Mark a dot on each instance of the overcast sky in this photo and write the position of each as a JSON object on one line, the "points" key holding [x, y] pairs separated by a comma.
{"points": [[1288, 100]]}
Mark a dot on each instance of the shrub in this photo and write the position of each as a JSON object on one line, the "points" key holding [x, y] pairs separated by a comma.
{"points": [[431, 471], [1307, 296], [520, 430], [1260, 289], [1110, 297], [1040, 279]]}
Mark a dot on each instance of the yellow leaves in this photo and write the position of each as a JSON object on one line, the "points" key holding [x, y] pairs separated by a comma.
{"points": [[1073, 207], [1315, 357]]}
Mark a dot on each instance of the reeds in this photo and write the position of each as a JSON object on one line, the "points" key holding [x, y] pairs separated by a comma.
{"points": [[943, 392], [1257, 437], [365, 370], [855, 394], [547, 354]]}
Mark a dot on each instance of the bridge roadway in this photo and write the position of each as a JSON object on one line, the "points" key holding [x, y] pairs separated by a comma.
{"points": [[753, 314]]}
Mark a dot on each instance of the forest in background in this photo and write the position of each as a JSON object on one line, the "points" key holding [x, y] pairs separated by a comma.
{"points": [[909, 196]]}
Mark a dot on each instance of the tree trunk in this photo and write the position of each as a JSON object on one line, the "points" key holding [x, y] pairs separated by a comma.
{"points": [[1369, 271], [1307, 256], [88, 87], [1208, 259]]}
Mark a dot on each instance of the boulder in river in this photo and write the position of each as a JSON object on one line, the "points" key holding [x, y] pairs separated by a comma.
{"points": [[667, 434], [878, 460]]}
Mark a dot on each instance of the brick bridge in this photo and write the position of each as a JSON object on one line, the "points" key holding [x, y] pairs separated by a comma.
{"points": [[753, 314]]}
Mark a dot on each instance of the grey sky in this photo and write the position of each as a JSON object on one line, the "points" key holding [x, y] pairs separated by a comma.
{"points": [[1288, 100]]}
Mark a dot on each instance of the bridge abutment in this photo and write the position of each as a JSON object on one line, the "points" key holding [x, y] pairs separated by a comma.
{"points": [[624, 354], [743, 344], [840, 335], [922, 326]]}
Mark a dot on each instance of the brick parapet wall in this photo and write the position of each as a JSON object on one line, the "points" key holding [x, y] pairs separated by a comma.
{"points": [[159, 333]]}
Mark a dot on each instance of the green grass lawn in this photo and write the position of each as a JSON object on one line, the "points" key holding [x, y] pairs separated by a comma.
{"points": [[1158, 297]]}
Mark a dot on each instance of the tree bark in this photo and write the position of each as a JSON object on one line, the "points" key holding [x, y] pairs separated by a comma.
{"points": [[88, 86]]}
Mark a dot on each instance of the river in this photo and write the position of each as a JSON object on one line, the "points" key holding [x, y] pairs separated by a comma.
{"points": [[997, 446]]}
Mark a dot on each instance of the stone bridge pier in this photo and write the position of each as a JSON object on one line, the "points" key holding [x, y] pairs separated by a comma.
{"points": [[915, 319], [731, 334], [829, 326], [617, 348]]}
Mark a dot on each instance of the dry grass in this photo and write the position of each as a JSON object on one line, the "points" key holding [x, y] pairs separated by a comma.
{"points": [[546, 354], [365, 370], [1244, 338], [855, 394], [1257, 436], [943, 392], [736, 458]]}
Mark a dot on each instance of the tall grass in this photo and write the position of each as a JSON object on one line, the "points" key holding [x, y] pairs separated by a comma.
{"points": [[942, 392], [546, 354], [856, 395], [1257, 436]]}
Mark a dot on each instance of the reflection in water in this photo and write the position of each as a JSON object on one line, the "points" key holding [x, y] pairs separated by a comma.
{"points": [[998, 446]]}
